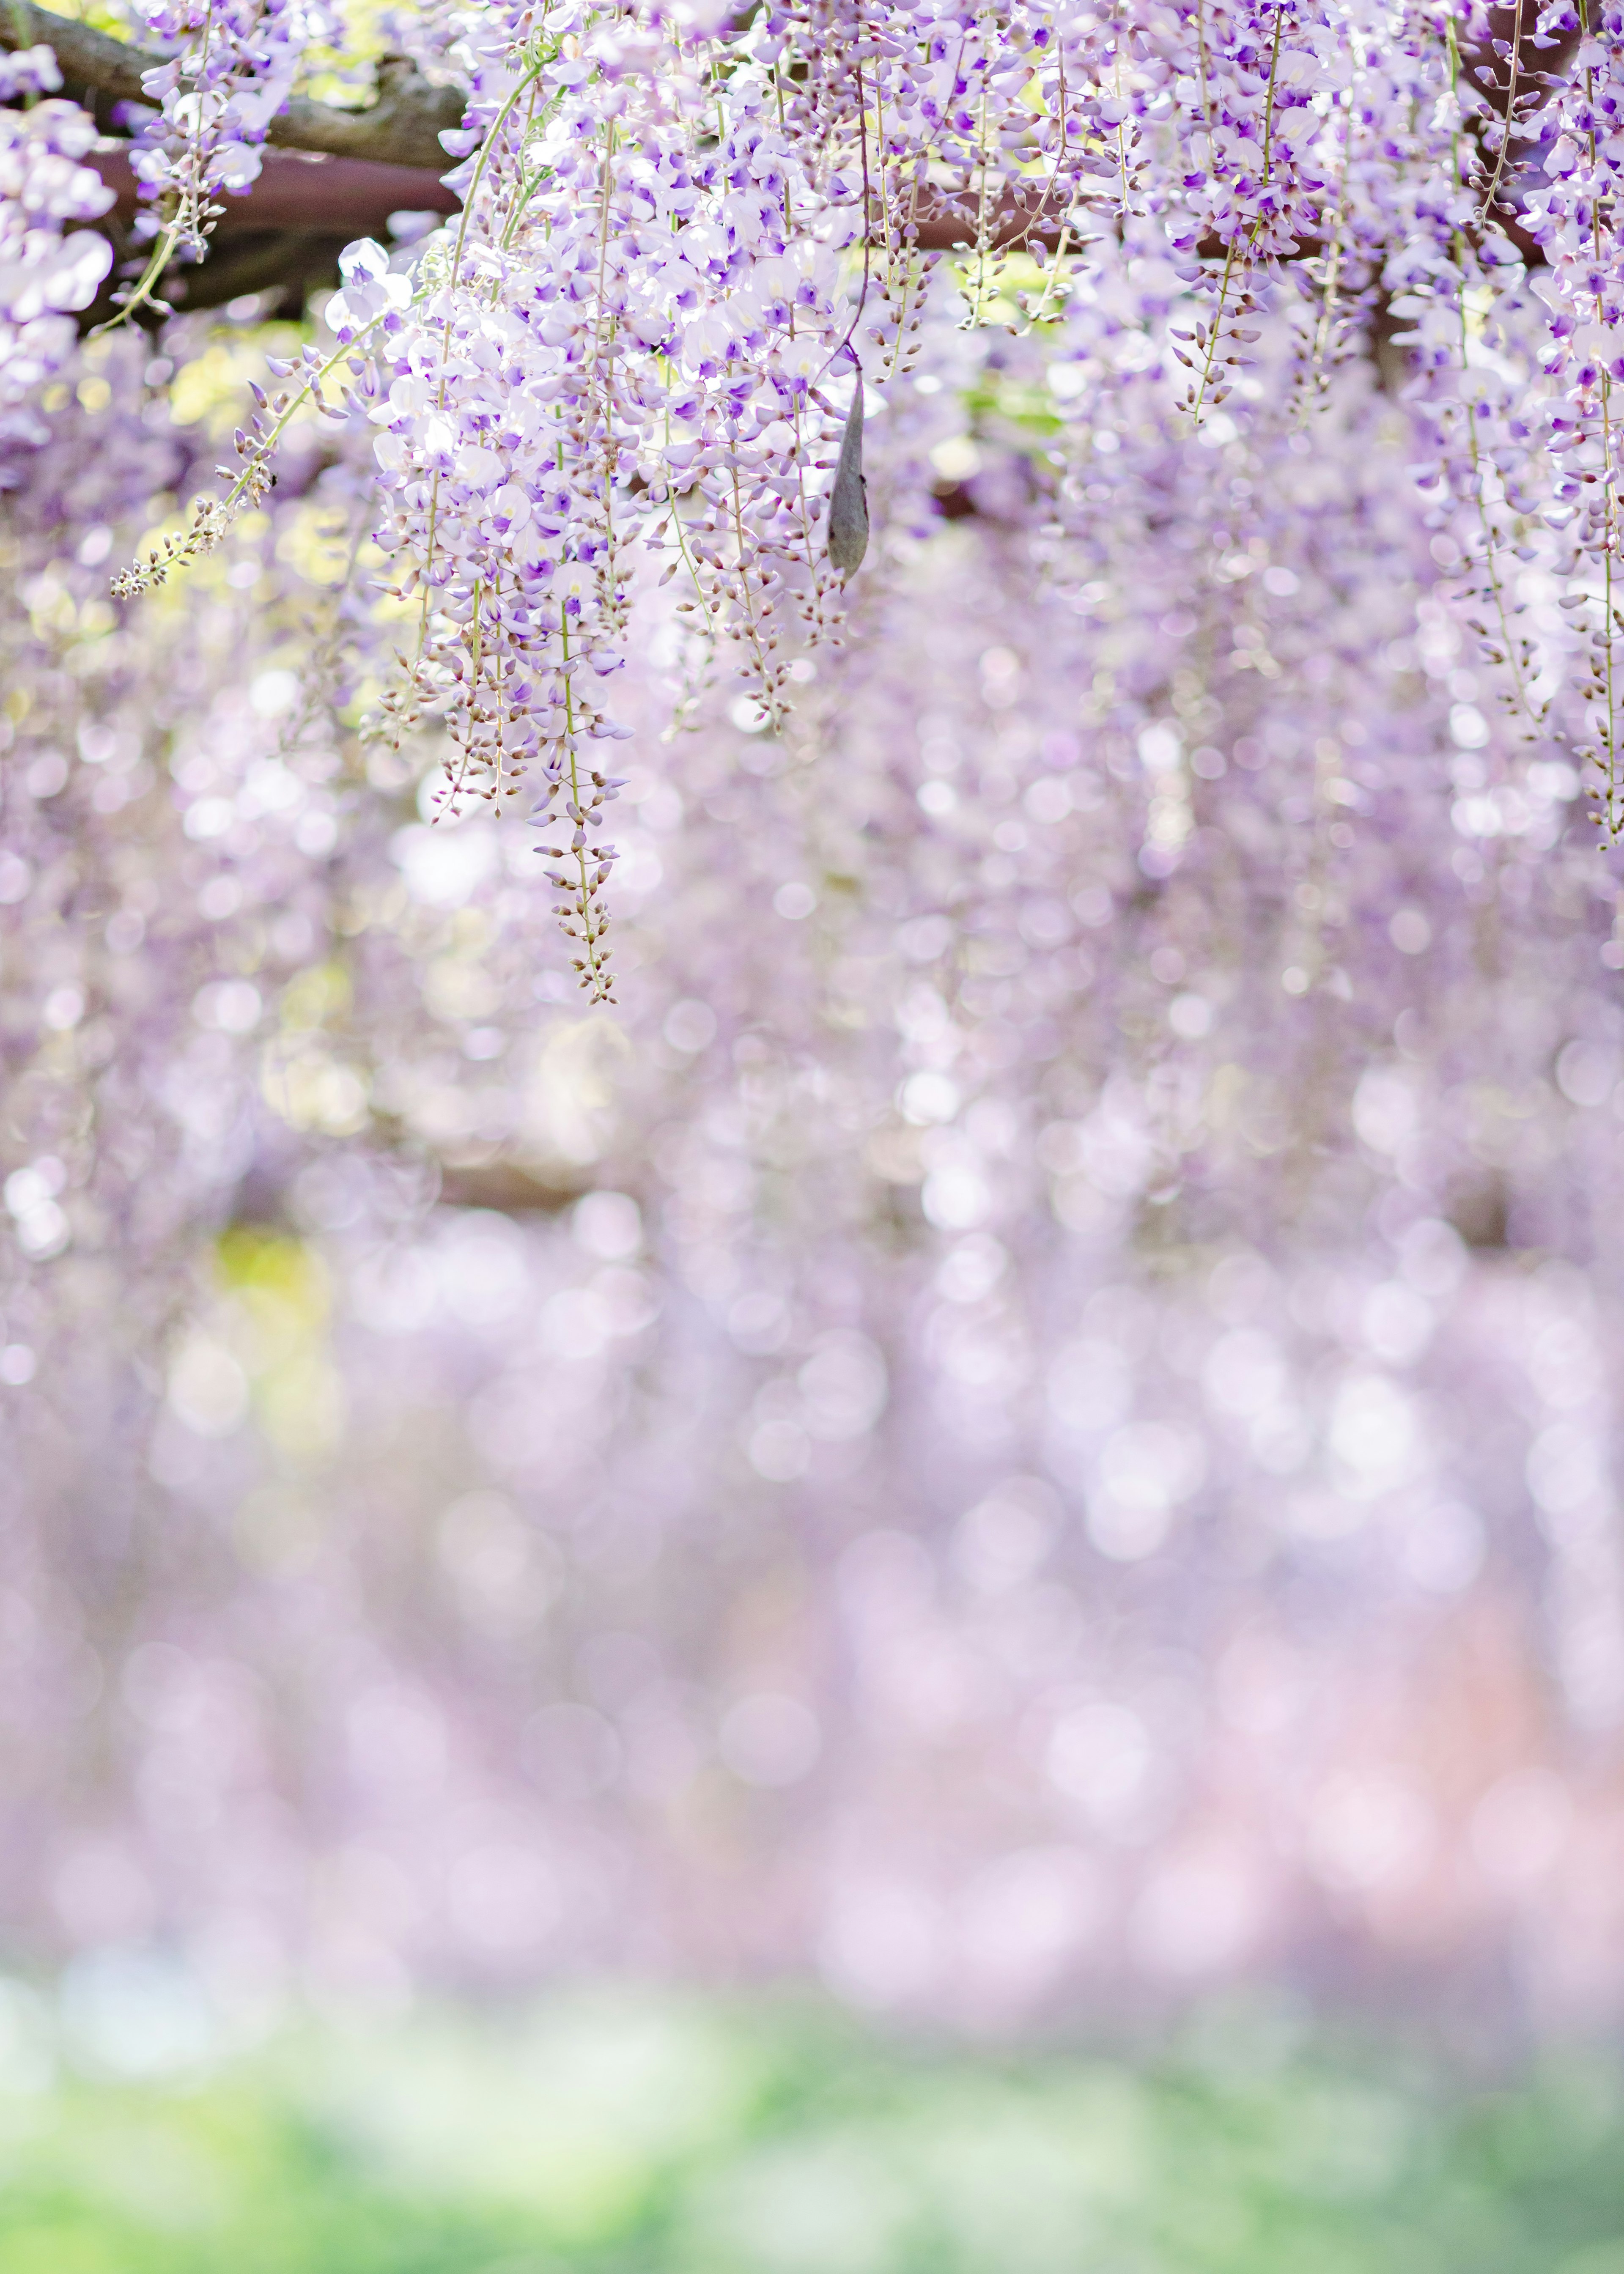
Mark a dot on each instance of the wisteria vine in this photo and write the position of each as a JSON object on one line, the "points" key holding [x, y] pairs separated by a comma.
{"points": [[687, 251]]}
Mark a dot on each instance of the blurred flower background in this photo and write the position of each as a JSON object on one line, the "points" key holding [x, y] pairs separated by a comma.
{"points": [[622, 1631]]}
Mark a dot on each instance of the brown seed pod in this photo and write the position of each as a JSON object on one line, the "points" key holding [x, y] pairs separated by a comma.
{"points": [[848, 500]]}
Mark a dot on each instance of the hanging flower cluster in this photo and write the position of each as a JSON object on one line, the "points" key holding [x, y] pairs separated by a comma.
{"points": [[1575, 222], [233, 68], [623, 339], [45, 275]]}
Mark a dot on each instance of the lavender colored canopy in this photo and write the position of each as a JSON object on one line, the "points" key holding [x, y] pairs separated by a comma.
{"points": [[1021, 1403]]}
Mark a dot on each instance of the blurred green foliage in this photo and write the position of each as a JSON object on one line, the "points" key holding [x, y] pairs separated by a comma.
{"points": [[636, 2134]]}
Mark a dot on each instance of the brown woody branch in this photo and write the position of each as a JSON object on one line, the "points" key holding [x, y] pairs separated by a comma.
{"points": [[323, 197]]}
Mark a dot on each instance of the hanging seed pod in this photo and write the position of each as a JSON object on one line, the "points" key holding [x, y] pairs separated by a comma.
{"points": [[848, 500]]}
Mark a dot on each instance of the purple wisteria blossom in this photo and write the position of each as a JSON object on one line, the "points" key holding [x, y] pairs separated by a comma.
{"points": [[1099, 1191], [45, 275]]}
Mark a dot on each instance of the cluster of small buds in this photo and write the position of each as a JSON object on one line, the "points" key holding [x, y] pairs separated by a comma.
{"points": [[585, 865], [251, 480], [208, 526], [1209, 352]]}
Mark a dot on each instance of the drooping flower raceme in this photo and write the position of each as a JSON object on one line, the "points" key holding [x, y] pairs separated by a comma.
{"points": [[683, 246], [45, 275], [234, 67]]}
